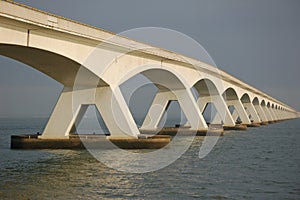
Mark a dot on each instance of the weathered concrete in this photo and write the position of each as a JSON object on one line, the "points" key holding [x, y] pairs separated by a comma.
{"points": [[236, 127], [264, 123], [253, 125], [187, 132], [92, 141]]}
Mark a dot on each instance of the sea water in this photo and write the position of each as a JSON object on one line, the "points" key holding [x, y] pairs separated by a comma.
{"points": [[260, 163]]}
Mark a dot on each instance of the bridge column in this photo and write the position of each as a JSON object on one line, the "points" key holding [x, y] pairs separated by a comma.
{"points": [[58, 125], [186, 101], [77, 118], [71, 107], [157, 109], [235, 115], [275, 111], [190, 109], [251, 111], [267, 113], [272, 113], [252, 114], [223, 115], [261, 113], [279, 114], [115, 112], [284, 114], [238, 106]]}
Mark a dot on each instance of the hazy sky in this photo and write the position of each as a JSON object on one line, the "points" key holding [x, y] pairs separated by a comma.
{"points": [[256, 41]]}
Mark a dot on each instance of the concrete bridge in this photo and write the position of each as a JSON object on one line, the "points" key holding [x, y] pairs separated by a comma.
{"points": [[59, 48]]}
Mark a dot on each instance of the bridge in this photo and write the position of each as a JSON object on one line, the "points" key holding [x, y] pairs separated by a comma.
{"points": [[59, 48]]}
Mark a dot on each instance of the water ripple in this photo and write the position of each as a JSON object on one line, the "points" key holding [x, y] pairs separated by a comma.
{"points": [[261, 163]]}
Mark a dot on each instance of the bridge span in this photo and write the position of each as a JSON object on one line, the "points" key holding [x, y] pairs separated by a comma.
{"points": [[60, 48]]}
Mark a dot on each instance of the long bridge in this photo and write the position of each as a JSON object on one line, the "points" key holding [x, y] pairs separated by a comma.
{"points": [[60, 48]]}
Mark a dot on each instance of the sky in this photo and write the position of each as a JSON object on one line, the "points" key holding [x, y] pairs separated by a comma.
{"points": [[255, 41]]}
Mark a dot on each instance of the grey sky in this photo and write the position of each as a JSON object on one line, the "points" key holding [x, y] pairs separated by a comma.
{"points": [[256, 41]]}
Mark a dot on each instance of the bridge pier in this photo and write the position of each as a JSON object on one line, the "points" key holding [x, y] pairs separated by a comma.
{"points": [[223, 115], [261, 114], [71, 107], [268, 114], [156, 111], [274, 115], [252, 113], [279, 114], [191, 109], [161, 102], [239, 111], [58, 125]]}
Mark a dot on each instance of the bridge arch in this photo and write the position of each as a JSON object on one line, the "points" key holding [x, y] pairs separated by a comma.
{"points": [[206, 87], [250, 108], [259, 109], [266, 108], [211, 103], [171, 87], [245, 98], [255, 101], [235, 106], [60, 68], [162, 77], [64, 70], [230, 94]]}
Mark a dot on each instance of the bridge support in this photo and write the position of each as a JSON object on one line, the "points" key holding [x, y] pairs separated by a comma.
{"points": [[261, 114], [274, 115], [223, 115], [58, 125], [186, 102], [72, 105], [268, 114], [278, 113], [239, 111], [250, 110], [157, 109]]}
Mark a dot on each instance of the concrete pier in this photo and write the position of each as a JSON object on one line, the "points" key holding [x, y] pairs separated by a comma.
{"points": [[93, 141], [236, 127], [173, 131], [253, 125], [264, 123]]}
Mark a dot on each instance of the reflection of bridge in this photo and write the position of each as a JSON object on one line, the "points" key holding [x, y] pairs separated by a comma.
{"points": [[59, 47]]}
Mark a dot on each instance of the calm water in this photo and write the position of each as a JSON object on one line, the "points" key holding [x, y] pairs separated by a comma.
{"points": [[261, 163]]}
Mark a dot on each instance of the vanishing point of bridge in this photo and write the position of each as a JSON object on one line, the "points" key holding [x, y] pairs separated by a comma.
{"points": [[59, 48]]}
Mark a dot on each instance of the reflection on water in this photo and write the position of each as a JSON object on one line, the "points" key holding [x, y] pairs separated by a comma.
{"points": [[261, 163]]}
